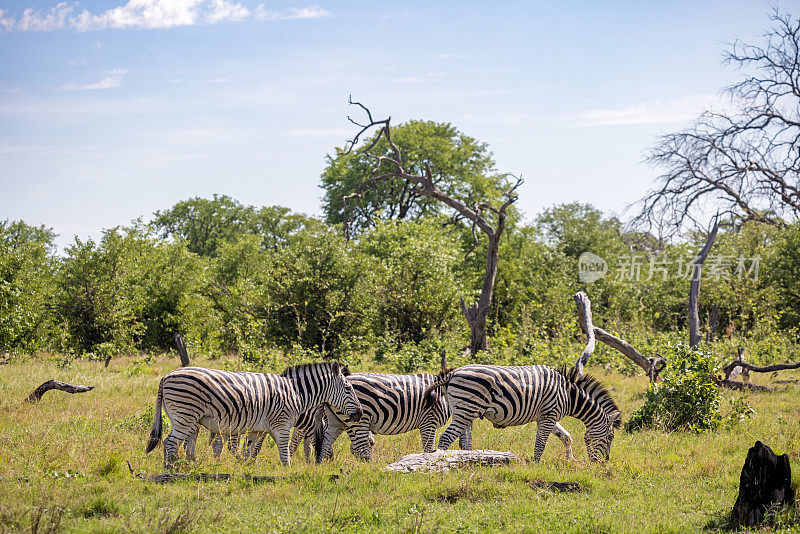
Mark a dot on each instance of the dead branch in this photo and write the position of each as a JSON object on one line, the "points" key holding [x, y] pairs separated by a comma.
{"points": [[740, 367], [694, 286], [441, 461], [182, 352], [652, 365], [585, 319], [55, 384]]}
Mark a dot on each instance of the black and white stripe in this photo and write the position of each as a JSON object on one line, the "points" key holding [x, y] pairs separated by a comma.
{"points": [[516, 395], [231, 404], [392, 404]]}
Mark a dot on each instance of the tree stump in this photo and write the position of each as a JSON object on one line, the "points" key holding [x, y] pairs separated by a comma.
{"points": [[766, 482], [441, 461]]}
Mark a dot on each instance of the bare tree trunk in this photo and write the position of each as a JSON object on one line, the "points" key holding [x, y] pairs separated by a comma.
{"points": [[585, 320], [694, 287], [713, 323], [182, 352]]}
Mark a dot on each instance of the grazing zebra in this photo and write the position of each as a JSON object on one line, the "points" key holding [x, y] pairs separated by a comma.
{"points": [[392, 404], [509, 396], [303, 431], [231, 404]]}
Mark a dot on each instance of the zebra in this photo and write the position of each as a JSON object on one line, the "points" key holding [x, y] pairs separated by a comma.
{"points": [[303, 431], [516, 395], [233, 403], [392, 404]]}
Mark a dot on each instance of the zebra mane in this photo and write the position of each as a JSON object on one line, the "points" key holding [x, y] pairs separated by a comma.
{"points": [[296, 370], [592, 387]]}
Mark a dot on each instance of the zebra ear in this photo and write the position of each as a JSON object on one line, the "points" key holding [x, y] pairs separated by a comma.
{"points": [[615, 418], [340, 368]]}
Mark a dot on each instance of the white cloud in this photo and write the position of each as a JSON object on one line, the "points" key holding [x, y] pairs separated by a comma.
{"points": [[409, 79], [320, 132], [113, 80], [6, 22], [314, 12], [148, 14], [657, 112]]}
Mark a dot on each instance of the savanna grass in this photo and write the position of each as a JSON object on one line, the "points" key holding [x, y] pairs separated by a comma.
{"points": [[63, 467]]}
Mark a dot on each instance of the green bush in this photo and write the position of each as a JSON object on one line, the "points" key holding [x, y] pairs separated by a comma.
{"points": [[687, 398]]}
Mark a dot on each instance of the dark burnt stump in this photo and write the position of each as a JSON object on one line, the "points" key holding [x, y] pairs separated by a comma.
{"points": [[766, 482]]}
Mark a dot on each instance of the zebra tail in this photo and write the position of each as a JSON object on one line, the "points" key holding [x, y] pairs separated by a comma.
{"points": [[155, 432], [319, 434], [430, 395]]}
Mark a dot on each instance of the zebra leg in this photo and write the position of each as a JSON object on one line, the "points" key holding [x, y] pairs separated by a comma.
{"points": [[216, 443], [543, 430], [171, 443], [565, 438], [460, 427], [281, 437], [252, 445], [332, 432], [190, 443], [298, 436], [233, 444], [465, 439]]}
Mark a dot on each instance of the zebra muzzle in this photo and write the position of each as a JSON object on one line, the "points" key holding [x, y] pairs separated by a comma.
{"points": [[356, 416]]}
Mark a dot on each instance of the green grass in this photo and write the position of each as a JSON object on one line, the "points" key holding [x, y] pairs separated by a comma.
{"points": [[63, 467]]}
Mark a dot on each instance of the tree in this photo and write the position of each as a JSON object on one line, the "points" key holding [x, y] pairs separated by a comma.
{"points": [[461, 167], [483, 215], [27, 284], [205, 224], [202, 223], [744, 162], [415, 283]]}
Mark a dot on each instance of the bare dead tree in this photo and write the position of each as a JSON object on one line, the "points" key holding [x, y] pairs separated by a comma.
{"points": [[745, 163], [694, 285], [392, 166]]}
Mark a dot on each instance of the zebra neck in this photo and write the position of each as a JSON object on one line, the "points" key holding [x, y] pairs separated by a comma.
{"points": [[583, 407], [312, 393]]}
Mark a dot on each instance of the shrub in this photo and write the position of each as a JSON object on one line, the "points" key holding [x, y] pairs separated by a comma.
{"points": [[687, 398]]}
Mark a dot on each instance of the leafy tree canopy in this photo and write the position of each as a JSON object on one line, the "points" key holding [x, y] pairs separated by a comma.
{"points": [[205, 224], [461, 166]]}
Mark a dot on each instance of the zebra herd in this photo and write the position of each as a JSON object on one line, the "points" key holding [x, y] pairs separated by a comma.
{"points": [[323, 400]]}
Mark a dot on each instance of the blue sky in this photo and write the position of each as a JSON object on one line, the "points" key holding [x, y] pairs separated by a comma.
{"points": [[112, 110]]}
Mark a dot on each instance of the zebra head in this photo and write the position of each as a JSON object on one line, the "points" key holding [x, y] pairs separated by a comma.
{"points": [[599, 436], [341, 394]]}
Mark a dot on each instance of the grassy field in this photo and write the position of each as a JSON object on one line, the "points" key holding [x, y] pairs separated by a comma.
{"points": [[63, 467]]}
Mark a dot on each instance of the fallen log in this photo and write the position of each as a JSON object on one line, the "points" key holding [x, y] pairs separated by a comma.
{"points": [[739, 367], [168, 478], [555, 486], [441, 461], [55, 384]]}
